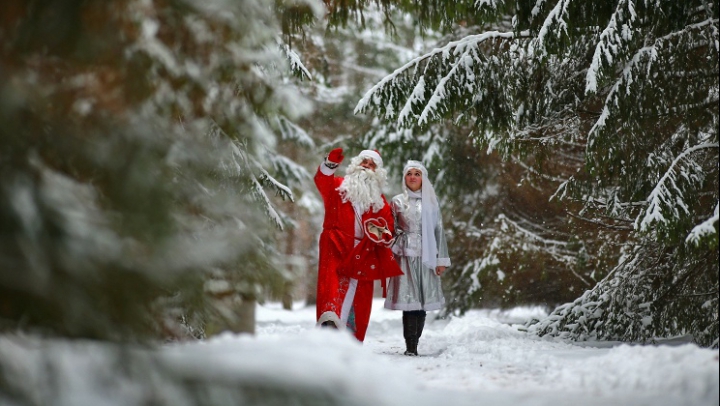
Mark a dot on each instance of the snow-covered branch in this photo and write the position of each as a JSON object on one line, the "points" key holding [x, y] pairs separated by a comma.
{"points": [[259, 193], [388, 90], [631, 71], [667, 193], [705, 228], [296, 64], [612, 40], [557, 15], [555, 248], [293, 132]]}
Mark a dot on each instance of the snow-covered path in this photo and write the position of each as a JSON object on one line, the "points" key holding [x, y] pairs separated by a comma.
{"points": [[482, 358], [477, 359]]}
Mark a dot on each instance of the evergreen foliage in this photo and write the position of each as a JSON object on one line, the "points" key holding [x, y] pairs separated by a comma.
{"points": [[611, 108], [138, 164]]}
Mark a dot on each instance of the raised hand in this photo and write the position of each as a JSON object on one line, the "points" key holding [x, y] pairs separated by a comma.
{"points": [[336, 156]]}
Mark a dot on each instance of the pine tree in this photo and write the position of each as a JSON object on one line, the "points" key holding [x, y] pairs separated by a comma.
{"points": [[616, 103], [137, 153]]}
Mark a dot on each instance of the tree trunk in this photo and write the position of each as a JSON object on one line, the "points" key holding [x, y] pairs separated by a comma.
{"points": [[245, 316]]}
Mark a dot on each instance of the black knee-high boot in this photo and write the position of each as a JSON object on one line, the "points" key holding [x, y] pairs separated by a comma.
{"points": [[420, 326], [410, 329]]}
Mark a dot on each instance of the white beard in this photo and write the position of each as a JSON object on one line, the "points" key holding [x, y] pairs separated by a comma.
{"points": [[363, 188]]}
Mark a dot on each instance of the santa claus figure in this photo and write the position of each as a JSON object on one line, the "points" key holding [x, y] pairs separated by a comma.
{"points": [[354, 244]]}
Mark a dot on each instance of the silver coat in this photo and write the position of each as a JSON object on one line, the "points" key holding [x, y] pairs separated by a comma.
{"points": [[419, 288]]}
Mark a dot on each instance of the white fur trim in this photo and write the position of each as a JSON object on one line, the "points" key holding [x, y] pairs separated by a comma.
{"points": [[330, 316], [368, 153], [349, 298], [443, 262], [327, 171]]}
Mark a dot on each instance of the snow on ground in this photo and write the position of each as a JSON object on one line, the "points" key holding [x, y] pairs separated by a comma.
{"points": [[478, 359], [482, 358]]}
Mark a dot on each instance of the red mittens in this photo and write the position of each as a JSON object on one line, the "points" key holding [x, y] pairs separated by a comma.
{"points": [[336, 156]]}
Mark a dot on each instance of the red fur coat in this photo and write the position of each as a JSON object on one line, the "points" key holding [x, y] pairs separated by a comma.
{"points": [[340, 259]]}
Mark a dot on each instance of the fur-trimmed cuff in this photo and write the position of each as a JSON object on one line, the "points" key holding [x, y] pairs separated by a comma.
{"points": [[330, 316], [327, 171], [443, 262]]}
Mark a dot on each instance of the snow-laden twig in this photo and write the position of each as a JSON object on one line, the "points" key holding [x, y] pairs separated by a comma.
{"points": [[707, 227], [555, 248], [469, 42], [296, 64], [626, 78], [649, 53], [536, 9], [663, 194], [259, 192], [556, 16], [417, 96], [611, 40], [286, 168], [478, 266], [441, 90], [265, 176], [293, 132], [479, 4]]}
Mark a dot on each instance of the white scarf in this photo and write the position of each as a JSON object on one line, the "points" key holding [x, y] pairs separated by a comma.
{"points": [[430, 211]]}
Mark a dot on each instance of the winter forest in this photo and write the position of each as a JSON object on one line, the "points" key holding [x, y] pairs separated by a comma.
{"points": [[156, 159]]}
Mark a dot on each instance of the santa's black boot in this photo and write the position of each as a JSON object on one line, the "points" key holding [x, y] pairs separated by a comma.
{"points": [[410, 333], [329, 324]]}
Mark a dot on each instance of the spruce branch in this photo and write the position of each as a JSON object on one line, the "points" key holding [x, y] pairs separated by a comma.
{"points": [[667, 192]]}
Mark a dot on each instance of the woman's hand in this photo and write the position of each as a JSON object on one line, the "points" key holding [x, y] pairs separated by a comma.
{"points": [[439, 270]]}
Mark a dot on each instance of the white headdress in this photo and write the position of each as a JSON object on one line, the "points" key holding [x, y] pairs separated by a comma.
{"points": [[430, 212]]}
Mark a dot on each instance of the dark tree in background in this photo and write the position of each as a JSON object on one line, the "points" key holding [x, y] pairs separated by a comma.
{"points": [[606, 113]]}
